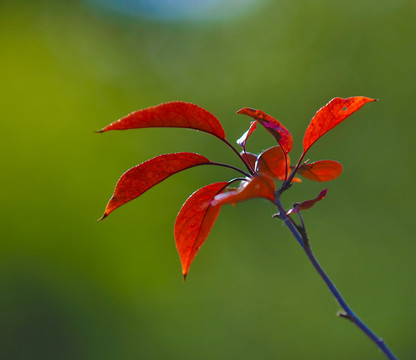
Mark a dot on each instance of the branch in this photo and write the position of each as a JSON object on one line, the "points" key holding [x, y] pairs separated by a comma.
{"points": [[300, 234]]}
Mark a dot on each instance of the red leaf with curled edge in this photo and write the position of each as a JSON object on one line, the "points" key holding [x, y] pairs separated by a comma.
{"points": [[257, 186], [243, 139], [272, 163], [272, 125], [321, 170], [330, 115], [172, 114], [194, 222], [304, 205], [141, 178]]}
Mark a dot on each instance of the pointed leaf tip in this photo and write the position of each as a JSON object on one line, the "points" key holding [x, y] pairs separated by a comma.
{"points": [[194, 223], [178, 114], [330, 115], [102, 217], [137, 180]]}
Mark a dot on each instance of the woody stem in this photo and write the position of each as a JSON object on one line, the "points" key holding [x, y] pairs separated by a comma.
{"points": [[301, 236]]}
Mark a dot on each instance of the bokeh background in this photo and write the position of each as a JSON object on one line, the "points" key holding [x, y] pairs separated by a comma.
{"points": [[72, 288]]}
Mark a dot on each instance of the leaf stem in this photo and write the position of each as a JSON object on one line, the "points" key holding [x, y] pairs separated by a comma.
{"points": [[228, 166], [286, 167], [301, 236], [245, 157], [286, 183], [246, 163]]}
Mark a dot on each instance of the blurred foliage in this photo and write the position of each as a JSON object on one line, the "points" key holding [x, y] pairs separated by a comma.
{"points": [[72, 288]]}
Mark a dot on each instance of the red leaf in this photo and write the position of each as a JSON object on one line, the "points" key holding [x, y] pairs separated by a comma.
{"points": [[304, 205], [172, 114], [243, 139], [194, 222], [141, 178], [250, 158], [322, 170], [329, 116], [272, 125], [257, 186], [272, 163]]}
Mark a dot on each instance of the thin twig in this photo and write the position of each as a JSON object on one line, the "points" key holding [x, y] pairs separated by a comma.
{"points": [[228, 166], [246, 163], [302, 238]]}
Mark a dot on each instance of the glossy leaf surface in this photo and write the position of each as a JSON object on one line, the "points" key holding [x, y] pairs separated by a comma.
{"points": [[194, 222], [272, 163], [137, 180], [250, 157], [329, 116], [172, 114], [257, 186], [272, 125], [243, 139], [304, 205], [322, 170]]}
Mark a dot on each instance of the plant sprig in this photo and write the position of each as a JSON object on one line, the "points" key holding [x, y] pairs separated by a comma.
{"points": [[200, 211]]}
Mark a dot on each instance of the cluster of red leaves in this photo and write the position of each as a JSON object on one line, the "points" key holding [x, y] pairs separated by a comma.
{"points": [[200, 211]]}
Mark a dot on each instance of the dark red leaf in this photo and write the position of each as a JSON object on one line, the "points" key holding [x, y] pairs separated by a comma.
{"points": [[257, 186], [172, 114], [194, 222], [243, 139], [250, 158], [322, 170], [141, 178], [304, 205], [329, 116], [272, 125], [272, 163]]}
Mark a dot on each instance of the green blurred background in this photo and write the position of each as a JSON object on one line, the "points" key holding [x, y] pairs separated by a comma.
{"points": [[72, 288]]}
